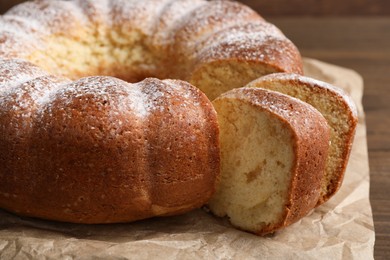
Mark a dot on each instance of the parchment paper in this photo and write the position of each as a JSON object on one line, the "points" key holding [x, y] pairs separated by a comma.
{"points": [[342, 228]]}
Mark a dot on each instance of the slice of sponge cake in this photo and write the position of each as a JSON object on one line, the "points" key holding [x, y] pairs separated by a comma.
{"points": [[337, 108], [273, 153]]}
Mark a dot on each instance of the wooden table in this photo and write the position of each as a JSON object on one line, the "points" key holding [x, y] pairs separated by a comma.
{"points": [[362, 44]]}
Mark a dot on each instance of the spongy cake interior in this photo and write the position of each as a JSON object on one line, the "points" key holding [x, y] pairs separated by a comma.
{"points": [[257, 159], [131, 56], [100, 52], [335, 111], [218, 77]]}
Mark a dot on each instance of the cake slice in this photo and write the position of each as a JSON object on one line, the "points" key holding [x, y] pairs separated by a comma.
{"points": [[273, 151], [337, 108]]}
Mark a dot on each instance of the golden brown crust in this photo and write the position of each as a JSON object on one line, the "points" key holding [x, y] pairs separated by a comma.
{"points": [[105, 151], [62, 137]]}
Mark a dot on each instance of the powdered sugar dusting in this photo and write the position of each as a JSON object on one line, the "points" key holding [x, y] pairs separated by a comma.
{"points": [[212, 17], [189, 95], [54, 16], [19, 25], [171, 17], [218, 29], [96, 11], [135, 15], [24, 27], [24, 101], [15, 72], [250, 42], [15, 45], [104, 92]]}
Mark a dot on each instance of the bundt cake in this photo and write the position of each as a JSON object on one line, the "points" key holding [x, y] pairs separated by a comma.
{"points": [[100, 150], [339, 111], [215, 45], [272, 159], [80, 142]]}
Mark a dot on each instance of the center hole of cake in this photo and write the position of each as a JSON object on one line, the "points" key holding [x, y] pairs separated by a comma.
{"points": [[122, 56]]}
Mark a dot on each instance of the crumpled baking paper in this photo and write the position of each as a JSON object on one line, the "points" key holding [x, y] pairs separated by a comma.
{"points": [[342, 228]]}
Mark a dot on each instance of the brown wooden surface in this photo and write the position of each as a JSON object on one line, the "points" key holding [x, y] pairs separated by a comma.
{"points": [[6, 4], [320, 7], [299, 7], [362, 44]]}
